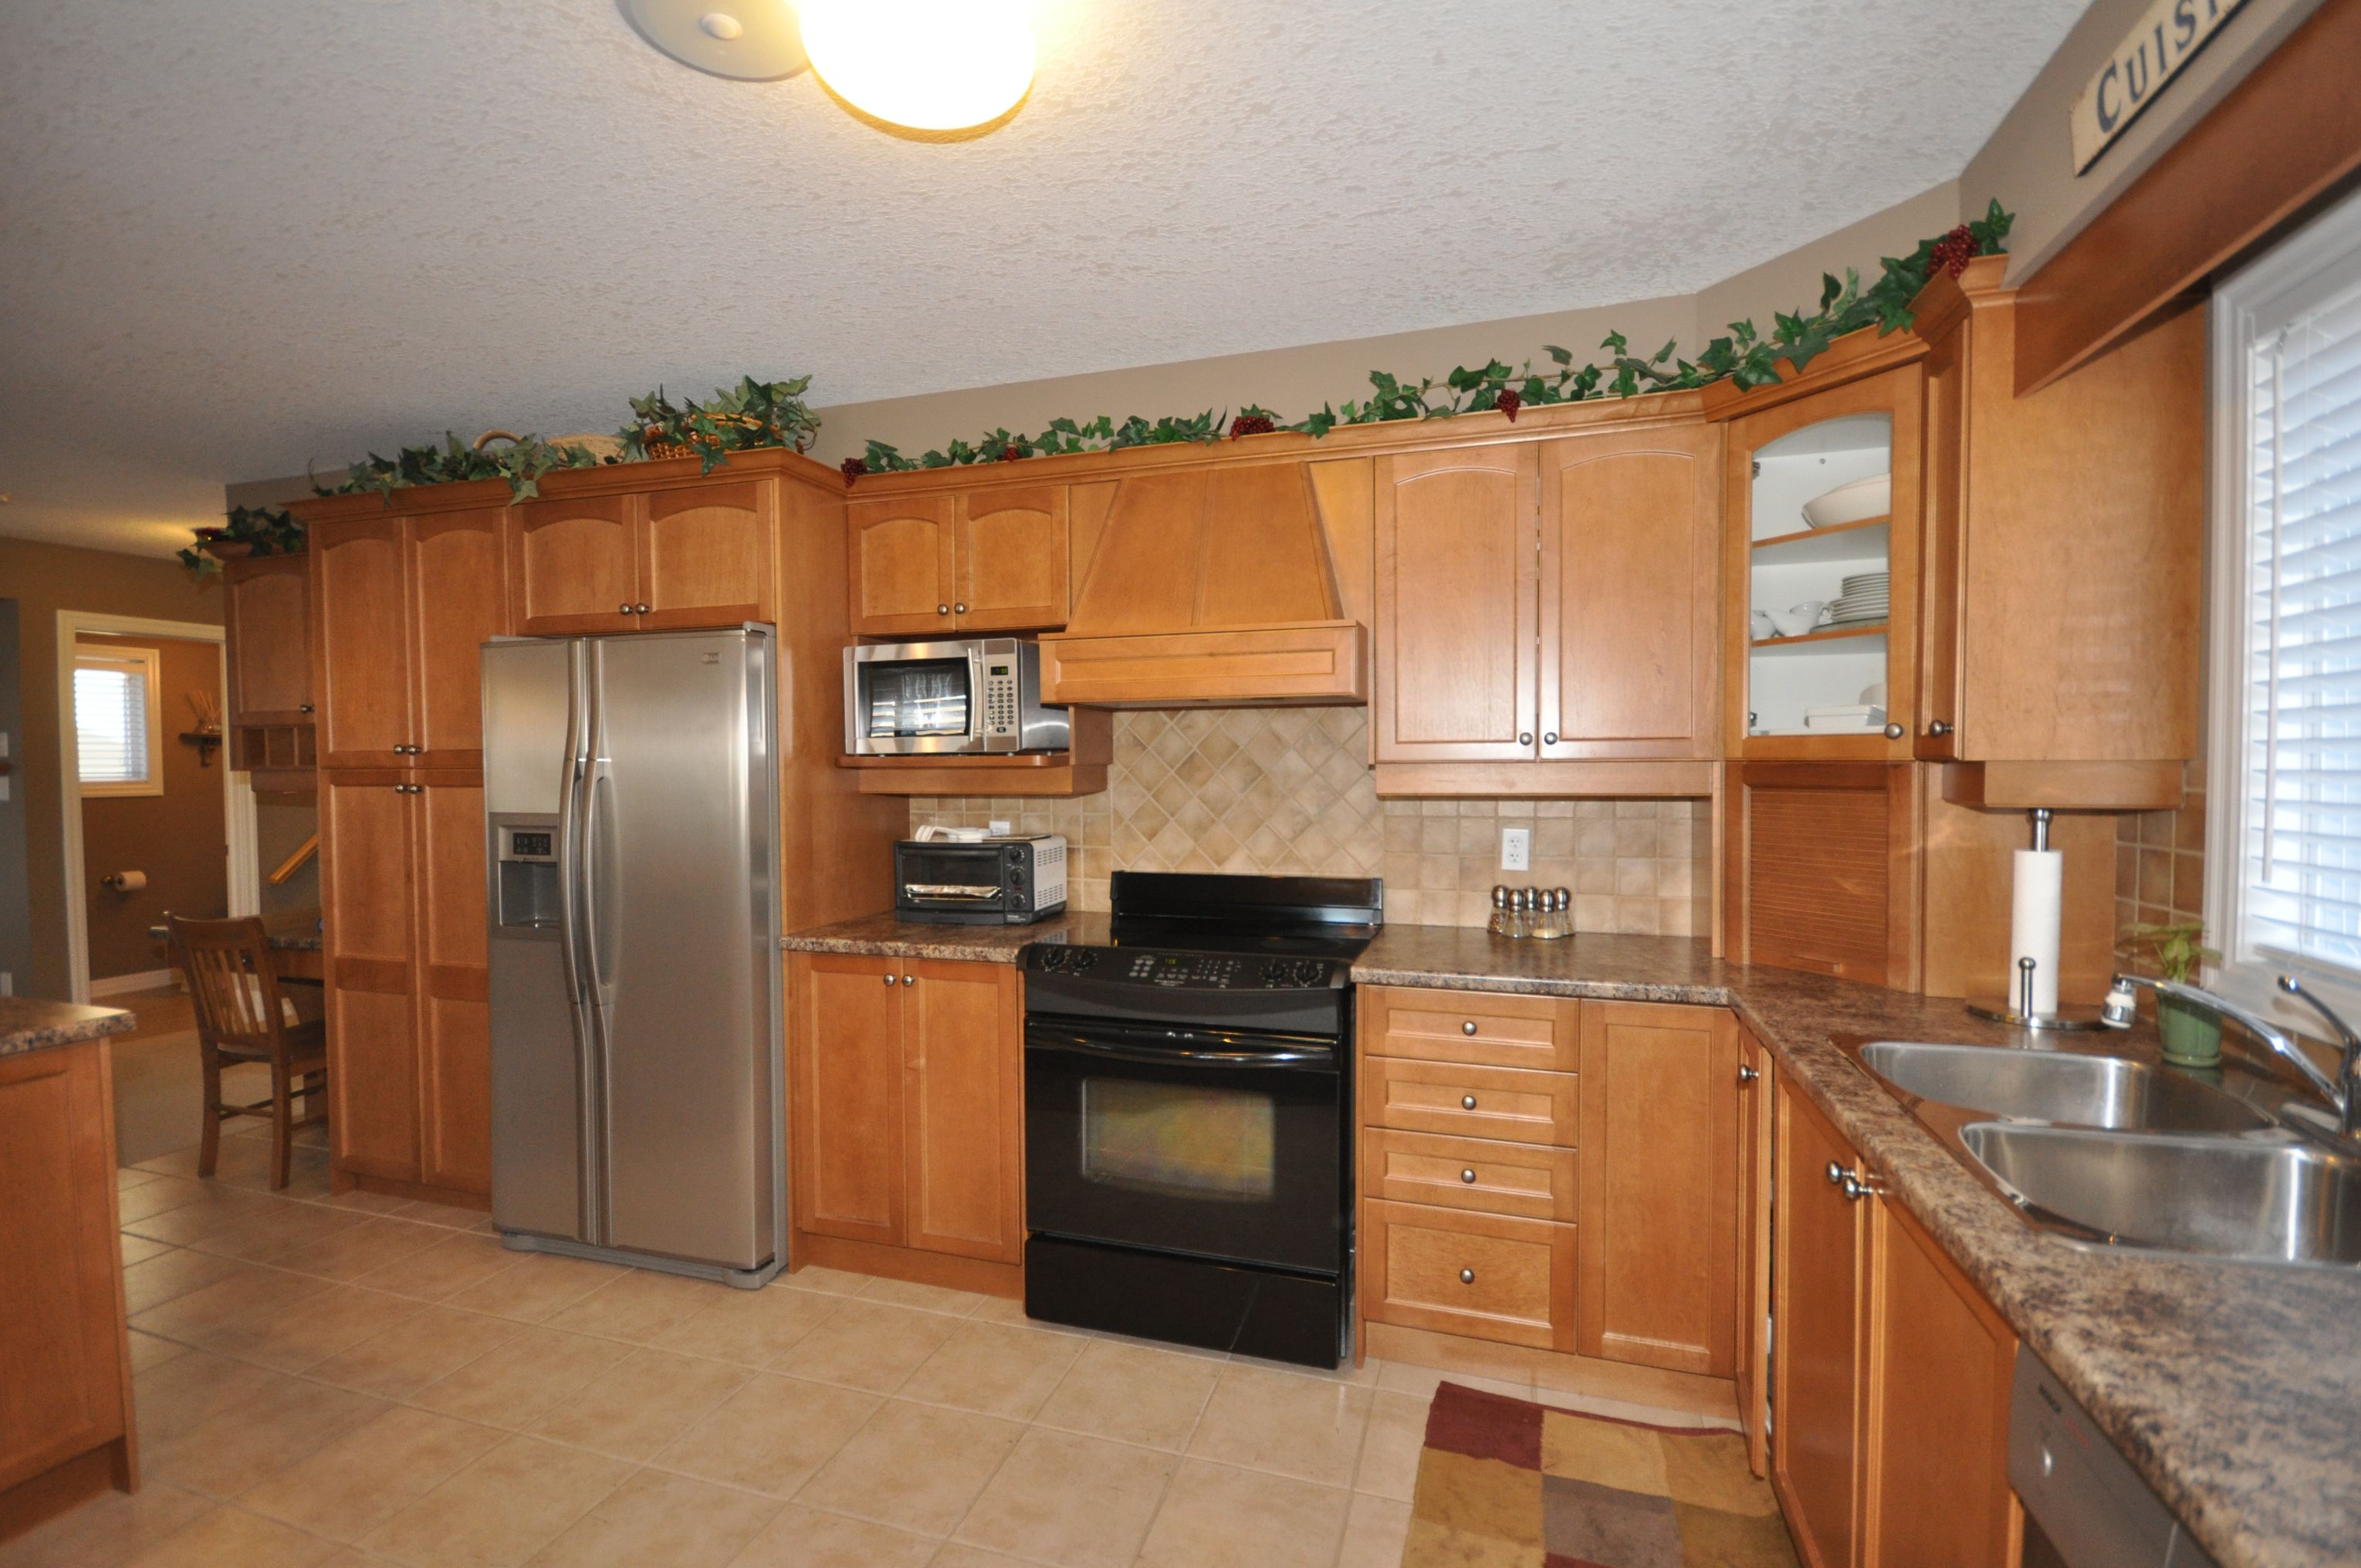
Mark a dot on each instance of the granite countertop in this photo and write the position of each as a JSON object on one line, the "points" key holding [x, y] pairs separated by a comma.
{"points": [[888, 936], [300, 941], [29, 1025], [2234, 1388]]}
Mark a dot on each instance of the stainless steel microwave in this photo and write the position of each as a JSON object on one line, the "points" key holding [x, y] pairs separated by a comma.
{"points": [[960, 694]]}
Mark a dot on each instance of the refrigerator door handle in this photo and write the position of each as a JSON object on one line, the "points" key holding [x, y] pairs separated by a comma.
{"points": [[597, 911]]}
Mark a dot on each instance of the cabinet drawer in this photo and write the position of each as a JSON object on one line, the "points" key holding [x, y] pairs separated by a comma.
{"points": [[1529, 1180], [1487, 1275], [1500, 1104], [1482, 1026]]}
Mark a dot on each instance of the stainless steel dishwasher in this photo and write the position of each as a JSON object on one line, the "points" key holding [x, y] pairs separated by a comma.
{"points": [[2085, 1506]]}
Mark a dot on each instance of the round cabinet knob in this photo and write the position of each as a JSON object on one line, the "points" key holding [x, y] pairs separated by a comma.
{"points": [[304, 707], [909, 979], [1939, 727], [1836, 1172], [1468, 1103], [1894, 732], [961, 609], [889, 979], [1748, 1074], [1550, 739], [1466, 1277], [1468, 1027], [1468, 1176], [639, 609], [1525, 739], [622, 609], [942, 609]]}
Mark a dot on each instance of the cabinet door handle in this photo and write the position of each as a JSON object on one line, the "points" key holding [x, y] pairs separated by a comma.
{"points": [[1748, 1074], [1468, 1176], [1466, 1277], [1525, 738], [1836, 1172], [639, 609], [1939, 727], [1894, 732], [622, 609], [942, 609], [1550, 739], [304, 707], [909, 979], [1468, 1103], [1468, 1027], [889, 979], [1857, 1187], [960, 609]]}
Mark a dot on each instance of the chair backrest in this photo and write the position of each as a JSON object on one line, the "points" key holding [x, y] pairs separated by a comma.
{"points": [[232, 980]]}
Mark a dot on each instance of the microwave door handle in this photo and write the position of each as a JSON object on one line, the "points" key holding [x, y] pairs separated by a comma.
{"points": [[976, 696]]}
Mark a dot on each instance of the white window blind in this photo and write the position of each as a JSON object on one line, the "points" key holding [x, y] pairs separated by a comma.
{"points": [[2289, 842], [115, 721]]}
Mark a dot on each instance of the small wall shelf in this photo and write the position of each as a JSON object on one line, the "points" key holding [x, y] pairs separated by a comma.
{"points": [[1868, 540], [1831, 640]]}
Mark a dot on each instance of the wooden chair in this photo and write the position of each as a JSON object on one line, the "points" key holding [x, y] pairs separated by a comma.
{"points": [[241, 1018]]}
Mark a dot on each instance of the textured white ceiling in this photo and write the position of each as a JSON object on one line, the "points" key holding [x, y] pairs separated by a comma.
{"points": [[239, 237]]}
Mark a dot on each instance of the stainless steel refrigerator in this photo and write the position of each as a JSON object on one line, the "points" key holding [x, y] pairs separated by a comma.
{"points": [[630, 800]]}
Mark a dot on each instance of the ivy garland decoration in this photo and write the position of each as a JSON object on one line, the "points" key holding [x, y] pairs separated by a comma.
{"points": [[1746, 355], [247, 530]]}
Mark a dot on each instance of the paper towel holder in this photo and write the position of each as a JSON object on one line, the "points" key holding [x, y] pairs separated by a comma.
{"points": [[2017, 1012]]}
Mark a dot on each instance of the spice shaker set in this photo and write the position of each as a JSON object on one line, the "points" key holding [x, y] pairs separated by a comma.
{"points": [[1546, 912]]}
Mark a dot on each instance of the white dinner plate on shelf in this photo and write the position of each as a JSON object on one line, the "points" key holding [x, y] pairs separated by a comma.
{"points": [[1856, 502]]}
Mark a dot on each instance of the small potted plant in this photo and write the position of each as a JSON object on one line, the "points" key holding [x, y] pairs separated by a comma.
{"points": [[247, 530], [2192, 1032]]}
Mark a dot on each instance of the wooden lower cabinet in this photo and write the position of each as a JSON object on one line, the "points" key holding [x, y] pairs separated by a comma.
{"points": [[907, 1105], [1891, 1433], [64, 1362], [1485, 1275]]}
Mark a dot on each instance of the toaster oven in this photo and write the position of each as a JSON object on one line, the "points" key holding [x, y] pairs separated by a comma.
{"points": [[960, 694], [981, 881]]}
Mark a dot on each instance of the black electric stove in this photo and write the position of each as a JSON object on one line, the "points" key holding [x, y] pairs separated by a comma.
{"points": [[1188, 1154]]}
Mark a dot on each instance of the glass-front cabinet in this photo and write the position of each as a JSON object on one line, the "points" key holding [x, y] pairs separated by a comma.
{"points": [[1823, 511]]}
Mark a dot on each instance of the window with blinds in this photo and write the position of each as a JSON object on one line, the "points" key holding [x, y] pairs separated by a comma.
{"points": [[116, 725], [2286, 856]]}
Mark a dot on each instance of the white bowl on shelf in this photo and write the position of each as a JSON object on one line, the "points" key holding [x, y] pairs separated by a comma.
{"points": [[1798, 620], [1863, 499]]}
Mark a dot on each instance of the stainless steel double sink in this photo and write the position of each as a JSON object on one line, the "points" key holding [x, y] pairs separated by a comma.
{"points": [[2108, 1151]]}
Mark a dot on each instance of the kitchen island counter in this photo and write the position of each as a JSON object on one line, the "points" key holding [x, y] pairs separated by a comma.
{"points": [[26, 1025]]}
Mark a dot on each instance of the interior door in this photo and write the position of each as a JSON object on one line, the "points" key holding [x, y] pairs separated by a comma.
{"points": [[453, 998], [1457, 607], [963, 1153], [1659, 1189], [1816, 1447], [850, 1081], [704, 555], [458, 600], [1009, 554], [360, 653], [266, 606], [1629, 589], [365, 827], [573, 566], [902, 553]]}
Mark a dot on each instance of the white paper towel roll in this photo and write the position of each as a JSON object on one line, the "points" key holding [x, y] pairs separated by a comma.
{"points": [[2035, 910], [127, 881]]}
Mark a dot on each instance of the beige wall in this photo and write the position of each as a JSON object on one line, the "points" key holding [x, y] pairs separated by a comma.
{"points": [[2028, 162], [44, 579], [1288, 792], [1784, 283]]}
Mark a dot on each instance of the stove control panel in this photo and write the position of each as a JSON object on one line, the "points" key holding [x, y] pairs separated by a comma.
{"points": [[1184, 970]]}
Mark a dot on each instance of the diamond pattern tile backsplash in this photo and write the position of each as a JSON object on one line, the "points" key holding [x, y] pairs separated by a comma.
{"points": [[1288, 791]]}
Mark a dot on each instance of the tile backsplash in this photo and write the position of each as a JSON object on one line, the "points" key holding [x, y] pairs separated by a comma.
{"points": [[1287, 790], [2160, 859]]}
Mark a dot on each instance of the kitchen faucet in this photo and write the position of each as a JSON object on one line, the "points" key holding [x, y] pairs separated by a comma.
{"points": [[2339, 1091]]}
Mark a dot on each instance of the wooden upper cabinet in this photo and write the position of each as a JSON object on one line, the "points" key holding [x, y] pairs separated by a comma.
{"points": [[1458, 666], [1822, 1312], [458, 600], [704, 555], [1630, 585], [360, 649], [573, 566], [1009, 560], [267, 607], [1659, 1186], [848, 1084], [901, 554], [963, 1150]]}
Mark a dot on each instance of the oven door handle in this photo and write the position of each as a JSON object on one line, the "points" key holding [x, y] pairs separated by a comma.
{"points": [[1307, 1055]]}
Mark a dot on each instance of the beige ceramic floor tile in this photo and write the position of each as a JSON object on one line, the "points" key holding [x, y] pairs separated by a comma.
{"points": [[1010, 1310], [1079, 1502], [500, 1509], [865, 1345], [835, 1281], [233, 1316], [370, 1474], [229, 1538], [956, 1556], [639, 1305], [139, 1249], [259, 1437], [642, 1402], [219, 1213], [191, 1389], [1306, 1427], [752, 1327], [801, 1538], [284, 1227], [1402, 1377], [113, 1526], [658, 1518], [1397, 1430], [367, 1245], [455, 1261], [536, 1286], [444, 1214], [520, 1382], [1625, 1411], [993, 1369], [1215, 1515], [1366, 1376], [1376, 1531], [147, 1350], [1138, 1394], [770, 1436], [130, 1176], [366, 1203], [329, 1324], [175, 1273], [916, 1467], [401, 1360], [157, 1195], [929, 1297]]}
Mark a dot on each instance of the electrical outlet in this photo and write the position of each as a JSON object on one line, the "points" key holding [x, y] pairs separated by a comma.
{"points": [[1516, 848], [997, 829]]}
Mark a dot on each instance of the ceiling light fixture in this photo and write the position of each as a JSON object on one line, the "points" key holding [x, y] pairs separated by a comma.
{"points": [[746, 40], [934, 69]]}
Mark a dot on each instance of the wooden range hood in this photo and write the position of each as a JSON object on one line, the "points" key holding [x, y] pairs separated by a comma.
{"points": [[1214, 586]]}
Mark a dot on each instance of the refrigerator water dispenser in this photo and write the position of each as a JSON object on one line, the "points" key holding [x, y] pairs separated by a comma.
{"points": [[526, 891]]}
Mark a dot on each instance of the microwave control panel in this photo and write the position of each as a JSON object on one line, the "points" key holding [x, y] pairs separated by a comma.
{"points": [[1000, 696]]}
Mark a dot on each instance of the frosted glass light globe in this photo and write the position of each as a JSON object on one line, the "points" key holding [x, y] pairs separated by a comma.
{"points": [[926, 65]]}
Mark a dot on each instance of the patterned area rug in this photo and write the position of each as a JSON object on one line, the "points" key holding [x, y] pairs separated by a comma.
{"points": [[1504, 1483]]}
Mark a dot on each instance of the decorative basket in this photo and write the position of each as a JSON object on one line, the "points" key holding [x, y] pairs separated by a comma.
{"points": [[658, 444]]}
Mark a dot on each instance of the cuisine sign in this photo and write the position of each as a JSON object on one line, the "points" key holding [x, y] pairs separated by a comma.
{"points": [[2136, 70]]}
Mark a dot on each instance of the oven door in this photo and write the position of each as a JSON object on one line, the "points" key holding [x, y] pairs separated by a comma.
{"points": [[1223, 1144], [913, 698]]}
